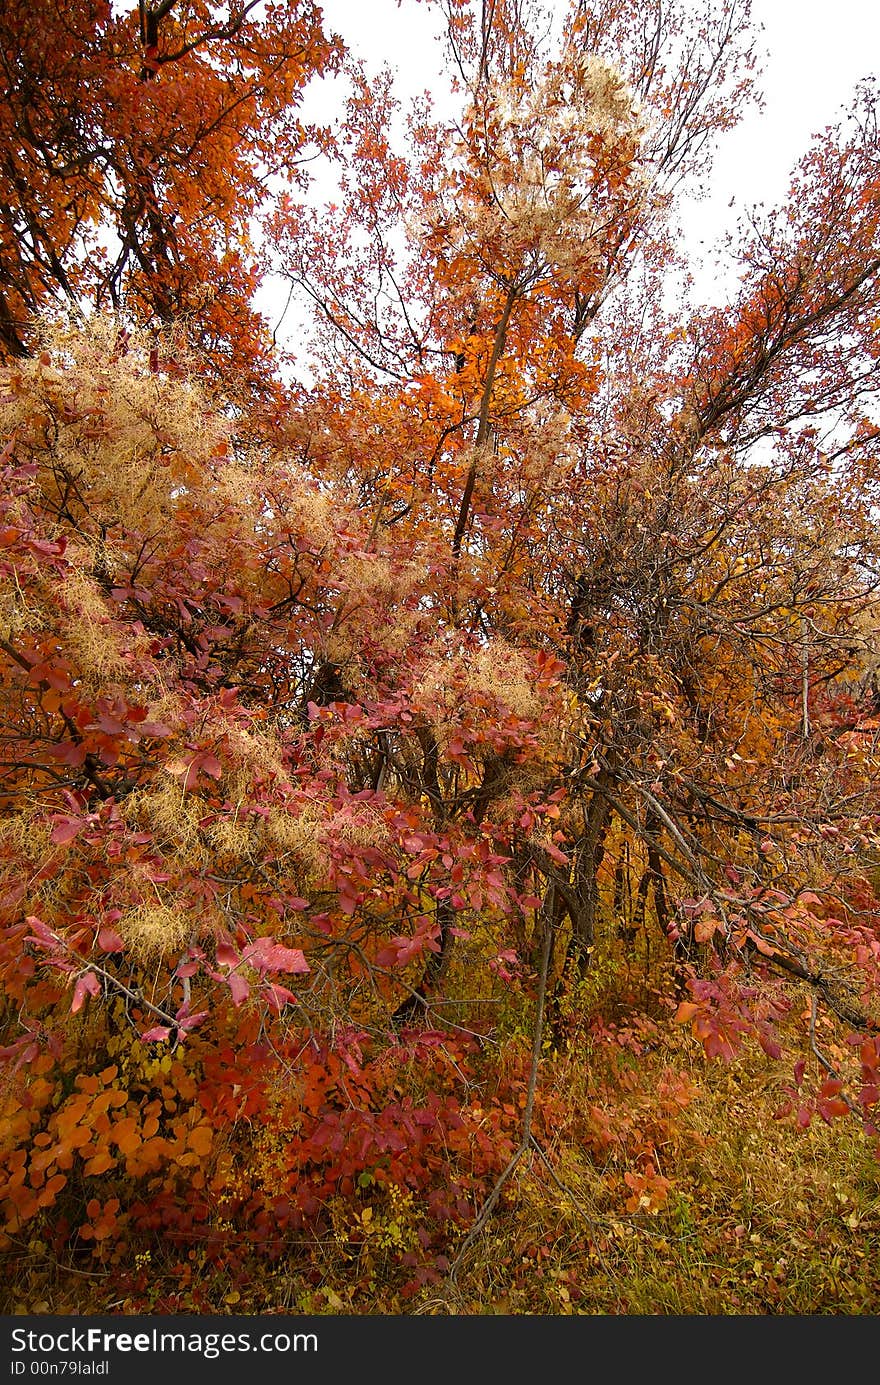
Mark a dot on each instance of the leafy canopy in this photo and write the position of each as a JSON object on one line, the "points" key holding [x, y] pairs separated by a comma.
{"points": [[531, 638]]}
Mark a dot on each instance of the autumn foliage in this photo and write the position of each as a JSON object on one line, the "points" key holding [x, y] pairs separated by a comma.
{"points": [[501, 686]]}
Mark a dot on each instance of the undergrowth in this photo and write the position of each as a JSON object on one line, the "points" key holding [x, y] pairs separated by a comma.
{"points": [[660, 1184]]}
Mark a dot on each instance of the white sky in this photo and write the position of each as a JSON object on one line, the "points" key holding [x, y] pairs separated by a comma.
{"points": [[815, 51]]}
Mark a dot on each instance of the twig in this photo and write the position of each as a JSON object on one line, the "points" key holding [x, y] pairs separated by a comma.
{"points": [[813, 1045], [829, 1068], [575, 1201], [526, 1140]]}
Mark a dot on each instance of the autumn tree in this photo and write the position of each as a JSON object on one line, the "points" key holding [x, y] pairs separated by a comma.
{"points": [[139, 148], [535, 626], [679, 510]]}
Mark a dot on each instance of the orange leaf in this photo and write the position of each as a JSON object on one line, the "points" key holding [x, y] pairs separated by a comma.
{"points": [[99, 1163], [762, 944], [704, 929], [126, 1135], [200, 1139]]}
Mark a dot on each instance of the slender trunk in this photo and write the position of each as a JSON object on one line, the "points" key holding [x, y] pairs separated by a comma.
{"points": [[416, 1003], [483, 421], [582, 906], [805, 681], [591, 850]]}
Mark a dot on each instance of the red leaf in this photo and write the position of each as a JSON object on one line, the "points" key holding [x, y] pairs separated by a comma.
{"points": [[71, 753], [829, 1108], [40, 932], [48, 548], [66, 829], [227, 955], [278, 996], [770, 1046], [155, 728], [232, 603], [186, 1021], [267, 955], [87, 984], [762, 944], [832, 1086], [239, 988], [110, 941], [555, 854]]}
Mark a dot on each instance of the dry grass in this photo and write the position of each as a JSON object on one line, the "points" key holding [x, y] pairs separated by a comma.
{"points": [[758, 1216]]}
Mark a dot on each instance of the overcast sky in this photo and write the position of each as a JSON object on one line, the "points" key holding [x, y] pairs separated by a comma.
{"points": [[815, 54], [815, 51]]}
